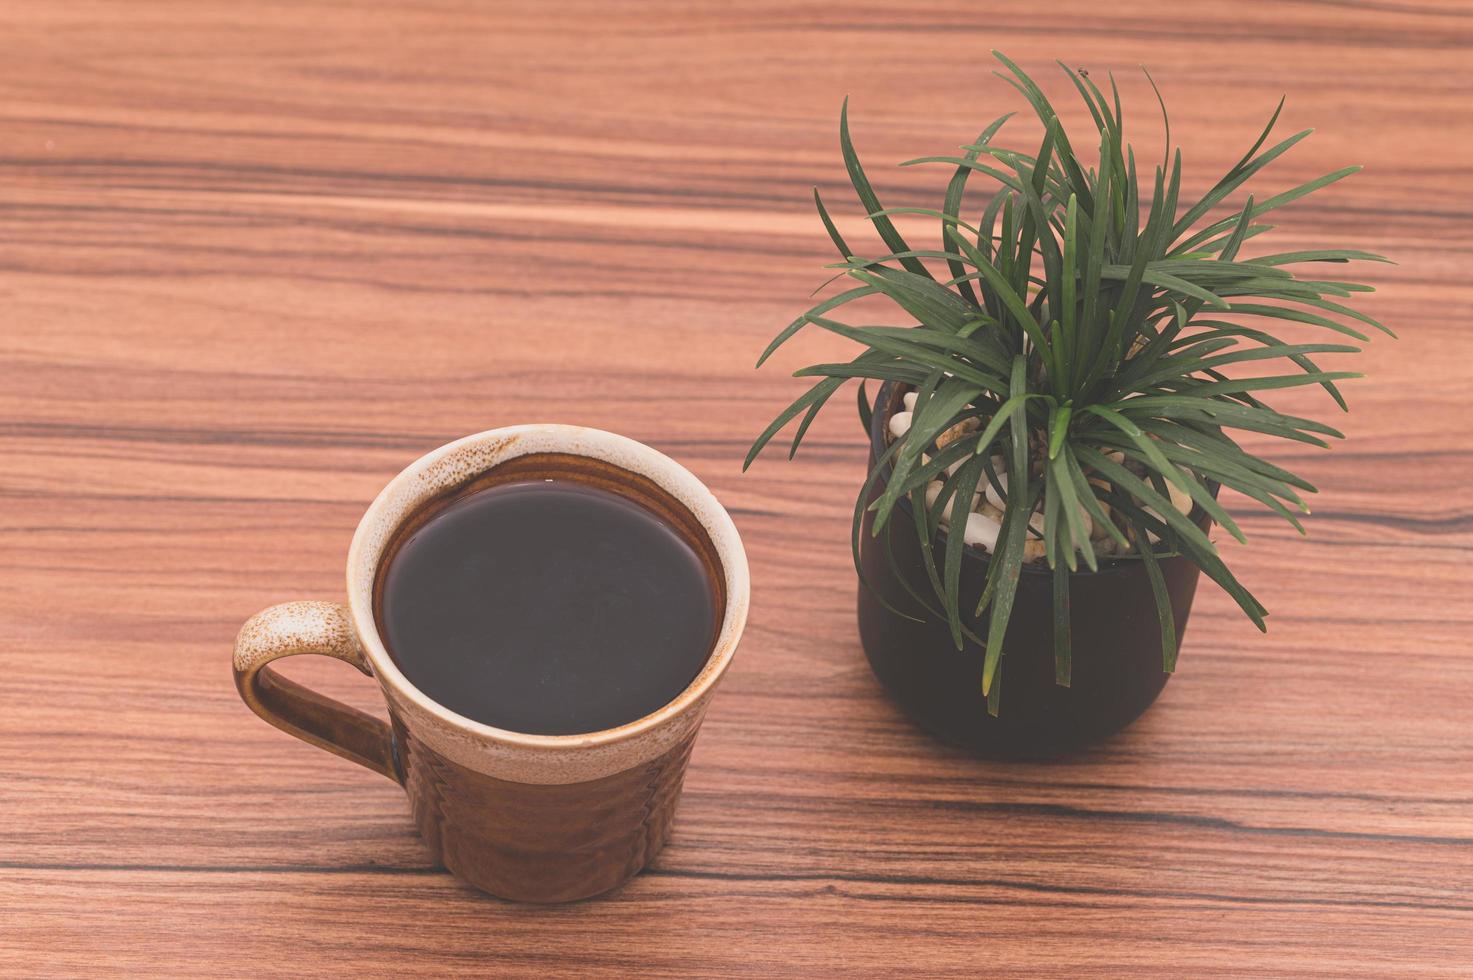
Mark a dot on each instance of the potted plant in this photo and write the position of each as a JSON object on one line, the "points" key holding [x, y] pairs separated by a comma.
{"points": [[1059, 406]]}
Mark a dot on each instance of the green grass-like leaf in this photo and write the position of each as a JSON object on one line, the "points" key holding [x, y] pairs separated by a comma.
{"points": [[1112, 340]]}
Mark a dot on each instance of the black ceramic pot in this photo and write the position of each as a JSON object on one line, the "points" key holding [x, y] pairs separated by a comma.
{"points": [[1116, 663]]}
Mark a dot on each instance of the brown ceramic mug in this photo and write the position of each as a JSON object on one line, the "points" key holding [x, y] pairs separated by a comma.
{"points": [[539, 818]]}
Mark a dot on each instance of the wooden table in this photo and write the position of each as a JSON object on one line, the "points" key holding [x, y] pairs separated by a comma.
{"points": [[259, 257]]}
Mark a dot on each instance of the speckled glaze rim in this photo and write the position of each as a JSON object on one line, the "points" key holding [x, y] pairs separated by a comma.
{"points": [[514, 755]]}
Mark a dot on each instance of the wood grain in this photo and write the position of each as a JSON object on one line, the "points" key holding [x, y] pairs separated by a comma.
{"points": [[258, 257]]}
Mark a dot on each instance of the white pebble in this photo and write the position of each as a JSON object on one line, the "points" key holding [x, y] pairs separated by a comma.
{"points": [[900, 424], [1180, 499], [933, 491], [981, 530], [1034, 546], [1086, 522], [993, 497], [1037, 521], [910, 401]]}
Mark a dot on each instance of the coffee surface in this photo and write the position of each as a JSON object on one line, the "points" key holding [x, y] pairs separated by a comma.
{"points": [[547, 607]]}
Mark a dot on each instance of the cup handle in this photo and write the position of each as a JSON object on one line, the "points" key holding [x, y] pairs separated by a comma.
{"points": [[324, 628]]}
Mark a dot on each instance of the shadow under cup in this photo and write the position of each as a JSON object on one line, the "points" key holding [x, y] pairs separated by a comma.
{"points": [[549, 842], [537, 818]]}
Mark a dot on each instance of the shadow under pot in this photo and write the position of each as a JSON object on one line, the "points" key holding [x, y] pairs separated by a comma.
{"points": [[1116, 640]]}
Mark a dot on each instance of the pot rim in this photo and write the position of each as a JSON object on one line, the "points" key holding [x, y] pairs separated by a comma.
{"points": [[884, 406]]}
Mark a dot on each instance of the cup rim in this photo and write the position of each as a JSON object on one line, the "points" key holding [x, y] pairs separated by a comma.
{"points": [[695, 496]]}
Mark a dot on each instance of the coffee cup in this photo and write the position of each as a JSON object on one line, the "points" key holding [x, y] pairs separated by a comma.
{"points": [[527, 817]]}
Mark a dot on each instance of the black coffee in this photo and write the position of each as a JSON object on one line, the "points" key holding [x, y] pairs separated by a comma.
{"points": [[547, 607]]}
